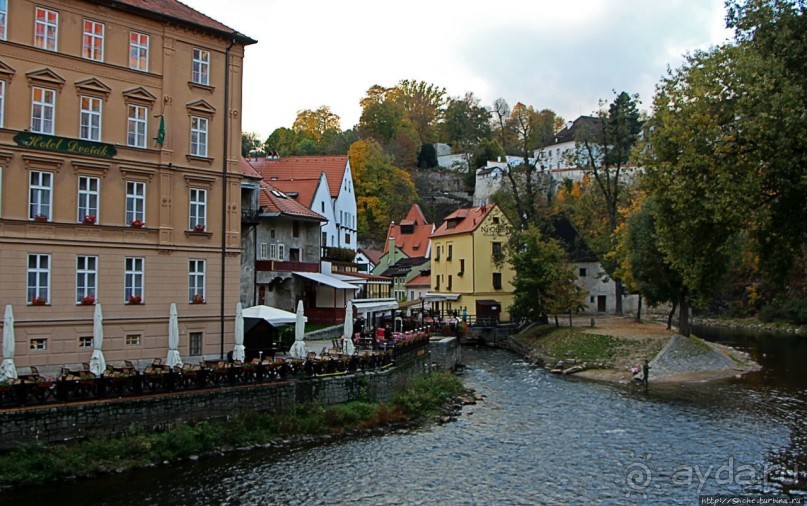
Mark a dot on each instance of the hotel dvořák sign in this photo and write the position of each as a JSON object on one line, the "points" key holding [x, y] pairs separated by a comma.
{"points": [[65, 145]]}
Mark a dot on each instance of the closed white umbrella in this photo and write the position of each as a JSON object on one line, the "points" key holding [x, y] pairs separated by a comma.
{"points": [[298, 348], [239, 350], [7, 369], [97, 361], [173, 358], [348, 329]]}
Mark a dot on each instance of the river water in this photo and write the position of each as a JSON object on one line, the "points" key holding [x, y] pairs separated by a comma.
{"points": [[535, 439]]}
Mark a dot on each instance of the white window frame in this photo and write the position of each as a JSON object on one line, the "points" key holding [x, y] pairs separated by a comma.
{"points": [[3, 18], [134, 278], [263, 251], [137, 126], [196, 278], [199, 129], [39, 285], [89, 192], [135, 201], [281, 251], [195, 349], [90, 118], [200, 73], [48, 21], [43, 110], [132, 340], [92, 42], [198, 208], [39, 343], [86, 277], [85, 341], [40, 194], [273, 251], [139, 51]]}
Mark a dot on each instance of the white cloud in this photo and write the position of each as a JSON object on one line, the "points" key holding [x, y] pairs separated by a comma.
{"points": [[565, 56]]}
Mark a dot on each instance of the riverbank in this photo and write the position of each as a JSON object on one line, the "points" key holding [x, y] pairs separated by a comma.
{"points": [[614, 346], [438, 397]]}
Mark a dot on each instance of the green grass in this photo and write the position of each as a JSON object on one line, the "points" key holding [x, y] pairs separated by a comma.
{"points": [[561, 343], [37, 463]]}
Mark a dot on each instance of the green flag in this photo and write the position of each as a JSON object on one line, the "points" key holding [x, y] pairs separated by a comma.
{"points": [[161, 131]]}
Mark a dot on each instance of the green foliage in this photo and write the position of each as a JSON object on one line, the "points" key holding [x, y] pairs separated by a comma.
{"points": [[426, 394], [465, 124], [250, 143], [427, 156], [487, 149], [788, 309]]}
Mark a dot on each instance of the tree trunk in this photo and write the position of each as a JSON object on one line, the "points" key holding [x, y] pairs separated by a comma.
{"points": [[570, 319], [557, 323], [683, 316], [639, 309], [670, 316], [618, 291]]}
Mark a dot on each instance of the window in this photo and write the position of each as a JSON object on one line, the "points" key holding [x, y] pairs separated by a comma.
{"points": [[273, 251], [437, 253], [263, 251], [137, 126], [92, 46], [437, 282], [133, 279], [132, 340], [40, 195], [198, 136], [347, 238], [271, 233], [462, 267], [85, 342], [198, 210], [281, 251], [43, 111], [201, 67], [495, 220], [38, 279], [135, 201], [3, 13], [582, 272], [497, 252], [196, 280], [497, 280], [295, 229], [448, 287], [86, 277], [324, 239], [139, 51], [450, 251], [46, 29], [322, 207], [39, 343], [195, 343], [2, 99], [90, 119], [88, 198]]}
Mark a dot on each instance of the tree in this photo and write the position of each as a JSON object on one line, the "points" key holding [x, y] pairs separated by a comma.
{"points": [[543, 282], [423, 103], [250, 143], [603, 151], [283, 141], [487, 150], [465, 124], [316, 124], [427, 156], [501, 111]]}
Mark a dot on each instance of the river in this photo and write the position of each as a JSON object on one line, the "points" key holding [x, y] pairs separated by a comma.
{"points": [[535, 439]]}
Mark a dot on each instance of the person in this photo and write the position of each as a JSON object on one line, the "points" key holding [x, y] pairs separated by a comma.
{"points": [[465, 314], [645, 373], [387, 333]]}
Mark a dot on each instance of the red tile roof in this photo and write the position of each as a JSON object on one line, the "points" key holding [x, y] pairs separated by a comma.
{"points": [[373, 255], [420, 280], [303, 188], [305, 167], [273, 200], [178, 12], [463, 221], [247, 169], [415, 244]]}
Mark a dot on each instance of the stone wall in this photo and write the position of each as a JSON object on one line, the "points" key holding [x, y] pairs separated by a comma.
{"points": [[63, 422], [446, 353]]}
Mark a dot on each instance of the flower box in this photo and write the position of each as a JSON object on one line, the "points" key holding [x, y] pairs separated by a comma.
{"points": [[199, 228], [41, 218], [38, 301], [89, 300], [198, 299], [137, 224], [88, 220], [135, 300]]}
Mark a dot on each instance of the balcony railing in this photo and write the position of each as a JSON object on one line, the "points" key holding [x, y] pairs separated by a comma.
{"points": [[282, 266]]}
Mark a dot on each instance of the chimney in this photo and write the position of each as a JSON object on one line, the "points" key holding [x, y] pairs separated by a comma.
{"points": [[391, 252]]}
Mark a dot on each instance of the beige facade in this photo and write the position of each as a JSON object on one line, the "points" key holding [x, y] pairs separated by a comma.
{"points": [[84, 84]]}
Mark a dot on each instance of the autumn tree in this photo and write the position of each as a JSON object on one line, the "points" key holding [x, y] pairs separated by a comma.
{"points": [[250, 143], [465, 124], [316, 124], [603, 151], [383, 191]]}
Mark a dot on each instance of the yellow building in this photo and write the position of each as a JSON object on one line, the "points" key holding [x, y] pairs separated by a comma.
{"points": [[469, 272], [119, 180]]}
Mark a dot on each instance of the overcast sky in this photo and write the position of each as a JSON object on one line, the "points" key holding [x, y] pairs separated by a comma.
{"points": [[564, 55]]}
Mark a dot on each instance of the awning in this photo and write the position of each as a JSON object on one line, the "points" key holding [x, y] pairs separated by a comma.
{"points": [[435, 297], [373, 305], [350, 279], [324, 279], [271, 315]]}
